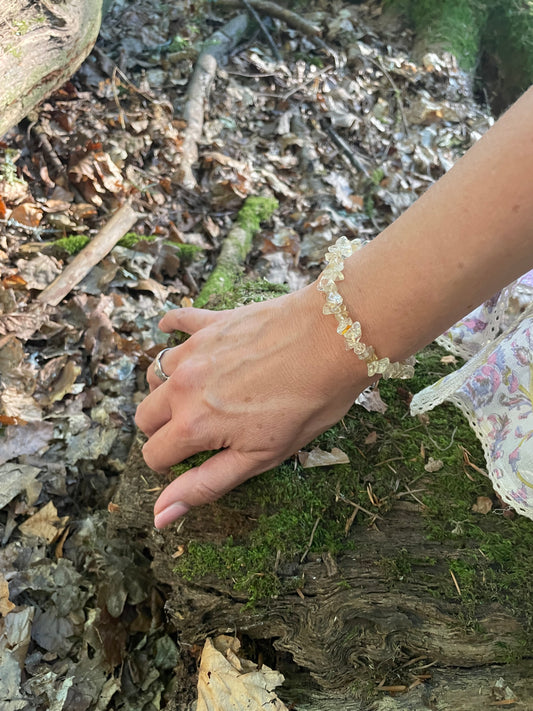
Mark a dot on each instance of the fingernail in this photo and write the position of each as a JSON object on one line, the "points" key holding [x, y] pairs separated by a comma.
{"points": [[171, 513]]}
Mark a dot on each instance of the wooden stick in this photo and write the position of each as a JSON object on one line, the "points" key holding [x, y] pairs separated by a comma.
{"points": [[121, 222], [215, 48], [266, 33], [282, 13]]}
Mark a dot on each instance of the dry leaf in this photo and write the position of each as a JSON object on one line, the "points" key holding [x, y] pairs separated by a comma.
{"points": [[319, 458], [371, 400], [483, 505], [371, 438], [65, 383], [228, 683], [448, 360], [45, 524], [433, 465], [14, 281], [5, 603], [27, 214]]}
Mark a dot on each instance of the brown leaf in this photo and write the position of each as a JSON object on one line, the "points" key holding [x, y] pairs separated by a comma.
{"points": [[27, 214], [5, 603], [7, 420], [319, 458], [64, 384], [14, 281], [45, 524], [227, 682], [371, 438]]}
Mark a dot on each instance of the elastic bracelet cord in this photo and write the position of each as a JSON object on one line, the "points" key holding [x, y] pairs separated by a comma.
{"points": [[351, 330]]}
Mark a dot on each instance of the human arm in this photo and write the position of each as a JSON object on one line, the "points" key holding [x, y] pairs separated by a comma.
{"points": [[260, 382]]}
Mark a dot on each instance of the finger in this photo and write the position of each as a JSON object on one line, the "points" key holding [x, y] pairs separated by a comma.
{"points": [[170, 359], [154, 411], [189, 320], [170, 445], [201, 485]]}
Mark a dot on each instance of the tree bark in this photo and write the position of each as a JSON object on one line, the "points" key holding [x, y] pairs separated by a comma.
{"points": [[42, 43]]}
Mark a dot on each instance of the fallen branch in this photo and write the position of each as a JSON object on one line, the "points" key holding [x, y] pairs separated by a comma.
{"points": [[121, 222], [344, 148], [282, 13], [236, 247], [266, 33], [215, 48]]}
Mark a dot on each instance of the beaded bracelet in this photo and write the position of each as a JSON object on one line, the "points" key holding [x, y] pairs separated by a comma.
{"points": [[351, 330]]}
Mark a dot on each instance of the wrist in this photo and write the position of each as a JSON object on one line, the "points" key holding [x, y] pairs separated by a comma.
{"points": [[350, 328], [342, 369]]}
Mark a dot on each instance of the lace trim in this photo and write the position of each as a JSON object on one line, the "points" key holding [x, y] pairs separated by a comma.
{"points": [[447, 389], [494, 325]]}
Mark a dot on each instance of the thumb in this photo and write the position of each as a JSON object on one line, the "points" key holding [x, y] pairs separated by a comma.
{"points": [[188, 319], [201, 485]]}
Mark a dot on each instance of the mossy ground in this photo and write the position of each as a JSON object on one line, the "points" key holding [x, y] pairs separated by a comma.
{"points": [[300, 509]]}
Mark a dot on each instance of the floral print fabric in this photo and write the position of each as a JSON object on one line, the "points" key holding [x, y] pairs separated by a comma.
{"points": [[494, 388]]}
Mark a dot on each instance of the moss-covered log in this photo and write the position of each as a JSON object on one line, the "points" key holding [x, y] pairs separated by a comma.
{"points": [[363, 577], [42, 43], [235, 248]]}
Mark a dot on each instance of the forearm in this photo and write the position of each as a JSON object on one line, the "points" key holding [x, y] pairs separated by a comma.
{"points": [[467, 237]]}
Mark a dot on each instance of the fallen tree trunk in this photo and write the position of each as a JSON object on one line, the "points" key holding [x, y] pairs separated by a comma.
{"points": [[42, 44], [351, 621]]}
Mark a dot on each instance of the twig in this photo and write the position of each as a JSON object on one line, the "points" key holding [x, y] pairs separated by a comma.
{"points": [[216, 47], [456, 583], [304, 555], [397, 93], [117, 100], [344, 148], [121, 222], [49, 153], [266, 33], [358, 506], [271, 8]]}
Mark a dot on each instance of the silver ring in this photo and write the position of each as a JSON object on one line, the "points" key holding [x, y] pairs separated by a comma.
{"points": [[158, 368]]}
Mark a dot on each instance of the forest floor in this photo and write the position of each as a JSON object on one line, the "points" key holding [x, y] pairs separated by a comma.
{"points": [[345, 134]]}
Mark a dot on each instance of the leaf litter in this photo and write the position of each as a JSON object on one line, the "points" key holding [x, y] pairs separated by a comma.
{"points": [[345, 136]]}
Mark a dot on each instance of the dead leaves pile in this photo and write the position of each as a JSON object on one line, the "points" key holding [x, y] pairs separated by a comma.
{"points": [[345, 140]]}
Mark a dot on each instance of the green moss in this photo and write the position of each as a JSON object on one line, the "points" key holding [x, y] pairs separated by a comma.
{"points": [[470, 28], [188, 252], [72, 244], [254, 211], [454, 25], [130, 239], [377, 176]]}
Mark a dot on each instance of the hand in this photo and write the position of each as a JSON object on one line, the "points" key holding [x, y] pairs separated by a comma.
{"points": [[256, 383]]}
